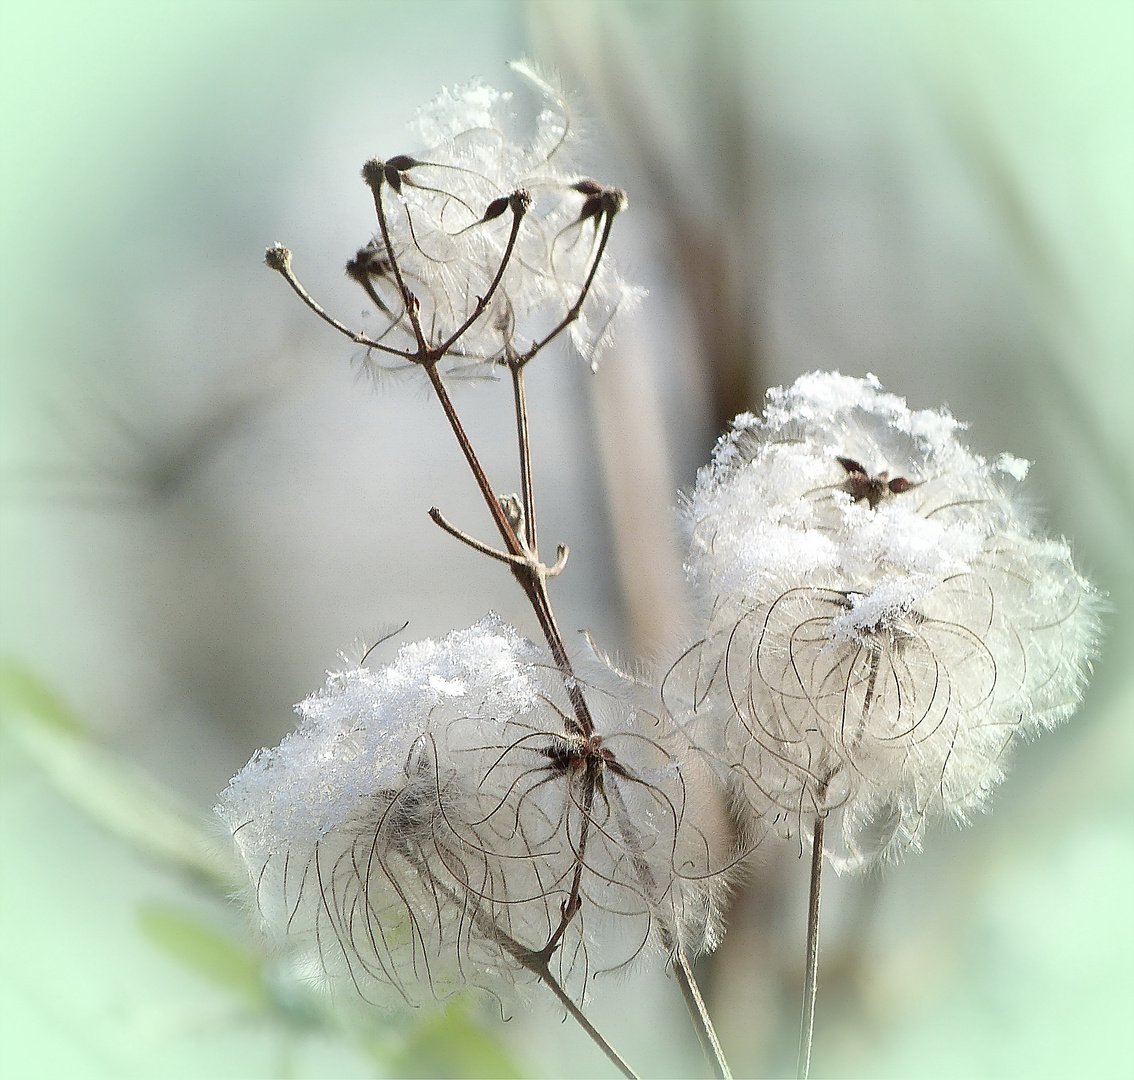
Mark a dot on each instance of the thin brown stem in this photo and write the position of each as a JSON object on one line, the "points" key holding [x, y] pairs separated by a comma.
{"points": [[373, 172], [572, 904], [539, 965], [810, 985], [699, 1013], [670, 939], [531, 575], [527, 493], [519, 202], [473, 542], [580, 1018], [507, 533], [574, 310], [282, 265]]}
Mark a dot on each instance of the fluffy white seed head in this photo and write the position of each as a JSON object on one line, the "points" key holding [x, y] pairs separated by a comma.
{"points": [[880, 622], [450, 225], [425, 825]]}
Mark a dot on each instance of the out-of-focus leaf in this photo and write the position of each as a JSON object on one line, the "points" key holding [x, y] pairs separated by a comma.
{"points": [[453, 1044], [21, 689], [199, 947], [121, 799]]}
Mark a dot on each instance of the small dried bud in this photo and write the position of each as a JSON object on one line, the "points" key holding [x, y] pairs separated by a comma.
{"points": [[587, 186], [370, 261], [374, 173], [616, 201], [513, 511], [450, 235], [496, 208], [401, 163], [277, 258]]}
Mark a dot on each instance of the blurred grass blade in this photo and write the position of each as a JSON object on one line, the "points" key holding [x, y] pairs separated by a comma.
{"points": [[20, 689], [121, 799], [453, 1044], [197, 946]]}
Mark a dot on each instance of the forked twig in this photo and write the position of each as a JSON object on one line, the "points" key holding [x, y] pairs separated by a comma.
{"points": [[585, 762]]}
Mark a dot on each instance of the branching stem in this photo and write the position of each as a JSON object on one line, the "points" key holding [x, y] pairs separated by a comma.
{"points": [[518, 531], [671, 941], [580, 1018], [283, 266]]}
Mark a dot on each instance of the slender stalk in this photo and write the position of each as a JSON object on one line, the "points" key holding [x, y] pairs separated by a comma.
{"points": [[527, 492], [580, 1018], [538, 964], [699, 1013], [472, 541], [373, 172], [573, 897], [519, 202], [507, 533], [810, 986], [577, 306], [670, 940], [279, 259]]}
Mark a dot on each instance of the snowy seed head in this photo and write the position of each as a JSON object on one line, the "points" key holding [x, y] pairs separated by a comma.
{"points": [[452, 211], [881, 624], [424, 827]]}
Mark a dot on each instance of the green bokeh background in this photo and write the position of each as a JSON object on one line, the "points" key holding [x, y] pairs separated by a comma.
{"points": [[151, 151]]}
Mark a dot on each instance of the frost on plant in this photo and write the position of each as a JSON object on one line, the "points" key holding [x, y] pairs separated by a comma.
{"points": [[879, 625], [881, 622], [425, 825], [480, 214]]}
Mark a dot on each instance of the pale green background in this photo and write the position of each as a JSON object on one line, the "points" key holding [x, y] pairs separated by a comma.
{"points": [[943, 198]]}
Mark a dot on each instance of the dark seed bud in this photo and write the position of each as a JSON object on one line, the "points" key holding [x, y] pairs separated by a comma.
{"points": [[368, 262], [401, 162], [899, 484], [587, 186], [496, 208], [615, 201], [520, 200], [278, 258], [592, 207], [374, 172]]}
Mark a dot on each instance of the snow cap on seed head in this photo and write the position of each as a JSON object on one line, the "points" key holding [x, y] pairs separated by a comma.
{"points": [[880, 622], [422, 828]]}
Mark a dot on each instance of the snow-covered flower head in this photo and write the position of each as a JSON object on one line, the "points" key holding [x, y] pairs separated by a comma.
{"points": [[427, 823], [881, 624], [480, 197]]}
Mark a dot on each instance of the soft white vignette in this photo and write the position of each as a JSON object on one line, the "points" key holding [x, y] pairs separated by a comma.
{"points": [[144, 151]]}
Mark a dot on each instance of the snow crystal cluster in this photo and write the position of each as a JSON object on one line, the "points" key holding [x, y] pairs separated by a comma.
{"points": [[424, 826], [880, 623], [450, 222]]}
